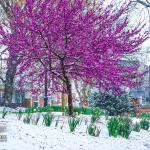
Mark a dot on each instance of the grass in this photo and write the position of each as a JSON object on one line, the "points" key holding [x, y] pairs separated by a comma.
{"points": [[144, 116], [73, 122], [77, 110], [119, 126]]}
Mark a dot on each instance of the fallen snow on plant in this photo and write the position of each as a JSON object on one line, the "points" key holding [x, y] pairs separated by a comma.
{"points": [[31, 137]]}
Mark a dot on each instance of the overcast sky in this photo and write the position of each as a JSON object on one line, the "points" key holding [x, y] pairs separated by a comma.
{"points": [[138, 14]]}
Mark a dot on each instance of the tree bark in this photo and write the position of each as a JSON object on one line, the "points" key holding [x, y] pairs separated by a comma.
{"points": [[69, 92], [78, 91], [68, 87], [9, 81], [11, 63], [45, 90]]}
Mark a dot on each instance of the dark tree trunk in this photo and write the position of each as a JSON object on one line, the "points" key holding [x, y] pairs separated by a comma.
{"points": [[68, 88], [45, 90], [11, 63], [9, 81], [69, 92]]}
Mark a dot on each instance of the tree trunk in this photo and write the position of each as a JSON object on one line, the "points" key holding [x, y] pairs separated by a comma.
{"points": [[70, 103], [9, 82], [68, 88], [63, 98], [45, 90], [11, 64], [63, 102], [78, 91]]}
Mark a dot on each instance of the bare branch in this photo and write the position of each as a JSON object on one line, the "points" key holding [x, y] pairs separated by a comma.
{"points": [[146, 4]]}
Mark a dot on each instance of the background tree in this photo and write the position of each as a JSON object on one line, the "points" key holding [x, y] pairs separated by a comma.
{"points": [[83, 91], [8, 80]]}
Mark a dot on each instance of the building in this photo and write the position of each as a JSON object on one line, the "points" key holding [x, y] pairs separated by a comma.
{"points": [[142, 92]]}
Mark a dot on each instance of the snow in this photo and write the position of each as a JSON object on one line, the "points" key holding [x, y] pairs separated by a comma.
{"points": [[12, 110], [31, 137], [8, 109]]}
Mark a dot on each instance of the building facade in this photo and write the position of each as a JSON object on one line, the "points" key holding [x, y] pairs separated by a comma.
{"points": [[142, 92]]}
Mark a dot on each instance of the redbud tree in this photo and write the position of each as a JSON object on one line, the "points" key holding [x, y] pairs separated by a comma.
{"points": [[71, 39]]}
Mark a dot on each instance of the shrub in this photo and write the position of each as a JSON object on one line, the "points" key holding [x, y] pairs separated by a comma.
{"points": [[144, 116], [132, 114], [136, 127], [83, 110], [94, 118], [93, 130], [47, 109], [73, 122], [96, 113], [30, 110], [66, 111], [57, 108], [144, 123], [113, 126], [38, 109], [36, 119], [19, 114], [115, 105], [77, 110], [27, 118], [4, 113], [47, 119], [119, 126]]}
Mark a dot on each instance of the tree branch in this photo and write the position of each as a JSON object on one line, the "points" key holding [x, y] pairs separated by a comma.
{"points": [[2, 80], [146, 4]]}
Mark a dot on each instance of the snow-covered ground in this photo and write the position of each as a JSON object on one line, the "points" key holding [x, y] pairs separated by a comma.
{"points": [[8, 109], [31, 137]]}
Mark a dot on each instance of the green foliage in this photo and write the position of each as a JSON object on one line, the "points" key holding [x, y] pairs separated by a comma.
{"points": [[136, 127], [44, 109], [36, 119], [119, 126], [58, 108], [144, 116], [66, 111], [4, 113], [144, 123], [83, 110], [19, 114], [47, 119], [115, 105], [113, 126], [132, 114], [27, 118], [73, 122], [29, 110], [38, 109], [96, 115], [77, 110], [93, 130]]}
